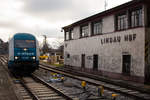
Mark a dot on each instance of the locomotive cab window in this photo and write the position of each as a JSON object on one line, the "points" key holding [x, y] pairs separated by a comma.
{"points": [[24, 43]]}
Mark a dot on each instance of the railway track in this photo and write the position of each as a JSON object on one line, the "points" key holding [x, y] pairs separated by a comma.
{"points": [[27, 94], [33, 88], [137, 95], [29, 84]]}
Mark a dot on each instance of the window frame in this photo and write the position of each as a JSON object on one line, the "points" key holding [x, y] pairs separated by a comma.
{"points": [[86, 26], [121, 21], [20, 43], [98, 29], [71, 34], [67, 35], [136, 17]]}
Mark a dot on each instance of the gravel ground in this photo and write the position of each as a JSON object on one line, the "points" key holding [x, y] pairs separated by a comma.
{"points": [[73, 87], [6, 87]]}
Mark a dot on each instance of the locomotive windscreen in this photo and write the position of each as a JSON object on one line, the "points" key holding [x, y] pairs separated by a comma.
{"points": [[24, 43]]}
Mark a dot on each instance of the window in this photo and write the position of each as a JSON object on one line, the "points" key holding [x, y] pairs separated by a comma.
{"points": [[71, 34], [136, 18], [25, 44], [84, 31], [61, 57], [97, 28], [67, 35], [68, 55], [121, 21], [52, 54]]}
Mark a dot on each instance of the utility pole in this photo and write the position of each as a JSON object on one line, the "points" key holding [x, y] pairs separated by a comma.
{"points": [[45, 47], [45, 39]]}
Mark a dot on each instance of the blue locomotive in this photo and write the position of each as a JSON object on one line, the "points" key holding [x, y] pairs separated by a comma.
{"points": [[23, 53]]}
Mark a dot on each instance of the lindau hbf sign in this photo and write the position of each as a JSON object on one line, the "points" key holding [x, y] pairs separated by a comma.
{"points": [[115, 39]]}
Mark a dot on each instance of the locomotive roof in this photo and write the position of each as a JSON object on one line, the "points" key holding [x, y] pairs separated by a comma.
{"points": [[24, 36]]}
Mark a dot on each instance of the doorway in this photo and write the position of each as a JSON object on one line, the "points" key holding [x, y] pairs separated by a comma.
{"points": [[95, 62], [126, 64], [83, 61], [147, 74]]}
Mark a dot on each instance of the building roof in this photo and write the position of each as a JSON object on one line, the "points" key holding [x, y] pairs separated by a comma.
{"points": [[127, 5]]}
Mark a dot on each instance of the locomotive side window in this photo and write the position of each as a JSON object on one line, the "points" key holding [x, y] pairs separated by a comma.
{"points": [[24, 44]]}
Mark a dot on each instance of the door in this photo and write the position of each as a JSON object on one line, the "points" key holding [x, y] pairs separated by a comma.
{"points": [[95, 62], [83, 61], [126, 64], [147, 74]]}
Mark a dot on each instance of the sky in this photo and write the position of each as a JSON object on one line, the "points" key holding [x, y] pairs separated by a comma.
{"points": [[46, 17]]}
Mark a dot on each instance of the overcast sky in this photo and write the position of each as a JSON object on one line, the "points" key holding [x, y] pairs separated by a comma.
{"points": [[46, 17]]}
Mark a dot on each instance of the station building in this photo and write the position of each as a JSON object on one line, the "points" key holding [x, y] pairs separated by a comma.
{"points": [[113, 43]]}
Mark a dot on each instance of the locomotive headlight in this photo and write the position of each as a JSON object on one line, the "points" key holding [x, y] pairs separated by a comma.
{"points": [[25, 49], [16, 57], [33, 57]]}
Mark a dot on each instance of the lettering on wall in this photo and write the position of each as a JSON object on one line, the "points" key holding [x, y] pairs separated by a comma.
{"points": [[111, 40], [130, 37], [89, 57], [118, 39]]}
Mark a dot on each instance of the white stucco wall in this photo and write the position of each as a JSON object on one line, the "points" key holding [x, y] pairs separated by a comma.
{"points": [[76, 31], [110, 54], [108, 24]]}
